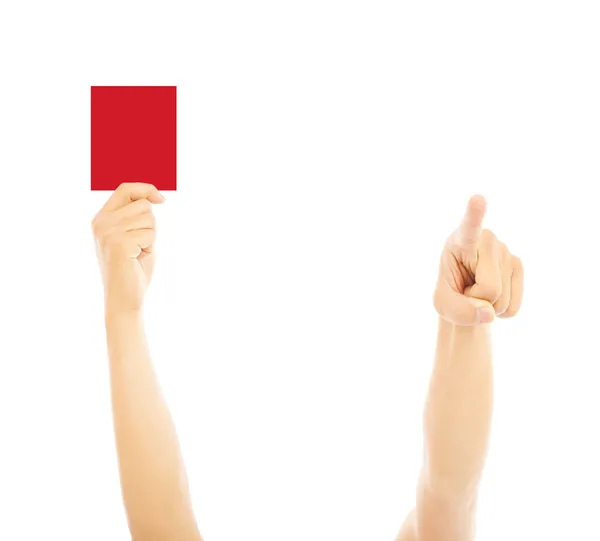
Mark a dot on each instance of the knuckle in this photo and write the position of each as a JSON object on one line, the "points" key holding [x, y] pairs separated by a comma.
{"points": [[487, 235], [491, 291], [97, 226], [501, 306], [496, 291], [517, 263], [146, 205], [489, 240]]}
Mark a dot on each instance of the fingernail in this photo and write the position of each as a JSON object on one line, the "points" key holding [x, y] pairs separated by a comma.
{"points": [[485, 315]]}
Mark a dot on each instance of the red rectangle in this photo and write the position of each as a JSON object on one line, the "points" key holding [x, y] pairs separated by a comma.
{"points": [[134, 136]]}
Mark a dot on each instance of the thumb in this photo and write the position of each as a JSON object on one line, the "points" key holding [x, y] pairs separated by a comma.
{"points": [[461, 310]]}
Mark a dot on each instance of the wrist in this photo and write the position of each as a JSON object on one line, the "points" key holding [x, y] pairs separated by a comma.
{"points": [[465, 330], [124, 328], [118, 312], [118, 300], [456, 335]]}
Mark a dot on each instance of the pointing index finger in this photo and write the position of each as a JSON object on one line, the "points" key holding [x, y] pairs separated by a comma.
{"points": [[132, 191], [470, 227]]}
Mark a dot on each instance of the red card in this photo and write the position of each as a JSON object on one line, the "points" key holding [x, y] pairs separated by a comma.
{"points": [[134, 136]]}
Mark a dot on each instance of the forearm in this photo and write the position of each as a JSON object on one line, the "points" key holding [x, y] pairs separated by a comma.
{"points": [[458, 411], [479, 279], [153, 479]]}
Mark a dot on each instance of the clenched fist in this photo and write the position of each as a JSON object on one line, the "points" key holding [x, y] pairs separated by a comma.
{"points": [[479, 278], [124, 230]]}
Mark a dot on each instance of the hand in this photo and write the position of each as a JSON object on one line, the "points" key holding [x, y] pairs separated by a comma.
{"points": [[479, 278], [124, 230]]}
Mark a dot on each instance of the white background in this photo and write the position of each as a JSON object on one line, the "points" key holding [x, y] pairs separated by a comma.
{"points": [[325, 151]]}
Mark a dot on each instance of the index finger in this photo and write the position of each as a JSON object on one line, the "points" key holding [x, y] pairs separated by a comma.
{"points": [[132, 191], [469, 230]]}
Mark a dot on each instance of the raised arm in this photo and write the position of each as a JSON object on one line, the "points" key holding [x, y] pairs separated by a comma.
{"points": [[153, 478], [478, 280]]}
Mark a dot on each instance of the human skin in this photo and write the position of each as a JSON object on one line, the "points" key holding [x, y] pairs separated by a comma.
{"points": [[479, 280], [153, 478], [476, 271]]}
